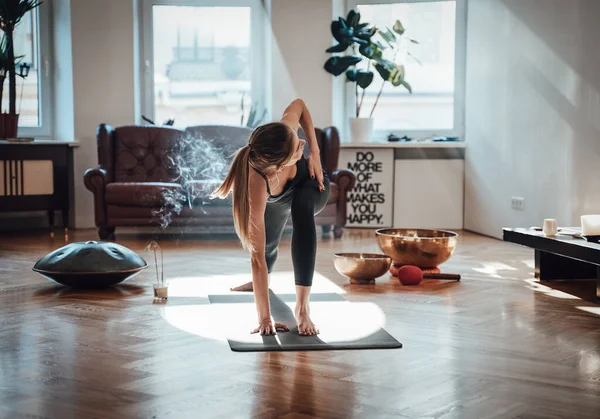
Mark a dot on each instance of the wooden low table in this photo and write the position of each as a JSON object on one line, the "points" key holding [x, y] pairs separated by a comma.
{"points": [[560, 257]]}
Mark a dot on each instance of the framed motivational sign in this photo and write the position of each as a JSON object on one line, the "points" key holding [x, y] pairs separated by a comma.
{"points": [[370, 202]]}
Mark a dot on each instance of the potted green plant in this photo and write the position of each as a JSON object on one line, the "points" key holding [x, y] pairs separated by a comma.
{"points": [[359, 38], [11, 14]]}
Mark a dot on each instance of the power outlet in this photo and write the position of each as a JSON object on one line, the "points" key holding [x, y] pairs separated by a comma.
{"points": [[517, 203]]}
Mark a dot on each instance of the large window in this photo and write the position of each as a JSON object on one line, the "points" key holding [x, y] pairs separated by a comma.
{"points": [[434, 68], [32, 44], [203, 60]]}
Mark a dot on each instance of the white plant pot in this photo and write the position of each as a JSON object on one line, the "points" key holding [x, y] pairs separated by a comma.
{"points": [[361, 129]]}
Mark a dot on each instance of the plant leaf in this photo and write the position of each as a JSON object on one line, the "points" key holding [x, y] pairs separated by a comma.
{"points": [[347, 32], [340, 31], [383, 72], [364, 34], [341, 47], [408, 86], [353, 18], [370, 51], [390, 72], [414, 41], [336, 28], [395, 78], [366, 50], [398, 28], [361, 26], [14, 10], [391, 34], [386, 38], [379, 59], [337, 65], [360, 41], [364, 78], [351, 75], [379, 45]]}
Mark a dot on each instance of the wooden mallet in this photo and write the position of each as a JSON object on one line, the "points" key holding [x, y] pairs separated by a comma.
{"points": [[413, 275]]}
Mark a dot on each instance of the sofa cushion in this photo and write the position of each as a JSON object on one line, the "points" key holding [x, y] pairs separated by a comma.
{"points": [[156, 215], [144, 194]]}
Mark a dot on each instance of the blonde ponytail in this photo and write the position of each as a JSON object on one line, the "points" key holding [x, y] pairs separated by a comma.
{"points": [[270, 145], [237, 183]]}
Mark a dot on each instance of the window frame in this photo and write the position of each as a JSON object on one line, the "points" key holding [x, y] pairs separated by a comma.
{"points": [[458, 128], [258, 48], [45, 98]]}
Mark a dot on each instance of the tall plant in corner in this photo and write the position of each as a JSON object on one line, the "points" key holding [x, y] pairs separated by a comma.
{"points": [[11, 14], [359, 38]]}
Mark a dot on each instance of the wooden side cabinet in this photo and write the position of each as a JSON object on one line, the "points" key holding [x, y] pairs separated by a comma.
{"points": [[37, 176]]}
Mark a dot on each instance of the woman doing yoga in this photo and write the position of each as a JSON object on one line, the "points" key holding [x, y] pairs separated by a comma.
{"points": [[270, 180]]}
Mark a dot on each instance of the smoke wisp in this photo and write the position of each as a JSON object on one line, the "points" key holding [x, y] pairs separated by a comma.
{"points": [[200, 167]]}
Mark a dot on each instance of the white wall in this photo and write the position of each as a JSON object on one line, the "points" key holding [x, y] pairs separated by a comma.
{"points": [[532, 112], [104, 82], [300, 36]]}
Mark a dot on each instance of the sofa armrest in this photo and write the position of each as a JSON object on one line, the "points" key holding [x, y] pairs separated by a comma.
{"points": [[329, 144], [95, 181], [345, 179]]}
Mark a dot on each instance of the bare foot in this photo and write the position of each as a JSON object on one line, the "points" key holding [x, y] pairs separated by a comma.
{"points": [[245, 287], [305, 325]]}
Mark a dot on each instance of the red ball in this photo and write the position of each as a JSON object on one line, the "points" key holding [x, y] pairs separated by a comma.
{"points": [[410, 275]]}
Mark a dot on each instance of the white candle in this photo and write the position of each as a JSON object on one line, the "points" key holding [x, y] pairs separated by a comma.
{"points": [[550, 227], [590, 225]]}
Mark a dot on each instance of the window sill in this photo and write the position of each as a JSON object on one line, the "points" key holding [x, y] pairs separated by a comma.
{"points": [[406, 144], [41, 142]]}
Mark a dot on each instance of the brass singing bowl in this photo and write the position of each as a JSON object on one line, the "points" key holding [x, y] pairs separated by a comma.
{"points": [[420, 247], [362, 267]]}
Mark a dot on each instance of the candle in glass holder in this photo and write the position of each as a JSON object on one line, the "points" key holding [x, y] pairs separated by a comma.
{"points": [[590, 225], [161, 291], [160, 287]]}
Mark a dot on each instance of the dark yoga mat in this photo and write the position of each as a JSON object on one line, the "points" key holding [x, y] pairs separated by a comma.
{"points": [[341, 332]]}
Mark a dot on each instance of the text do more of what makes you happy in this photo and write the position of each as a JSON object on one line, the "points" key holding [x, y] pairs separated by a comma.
{"points": [[366, 194]]}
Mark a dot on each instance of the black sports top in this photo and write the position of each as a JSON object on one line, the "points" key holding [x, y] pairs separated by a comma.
{"points": [[301, 173]]}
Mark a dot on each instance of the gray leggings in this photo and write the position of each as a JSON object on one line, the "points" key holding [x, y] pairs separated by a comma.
{"points": [[303, 202]]}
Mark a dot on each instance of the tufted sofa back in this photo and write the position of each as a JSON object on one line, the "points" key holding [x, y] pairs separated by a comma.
{"points": [[138, 153], [227, 139], [149, 153]]}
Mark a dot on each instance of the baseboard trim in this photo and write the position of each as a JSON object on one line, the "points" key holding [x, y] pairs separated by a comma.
{"points": [[28, 221]]}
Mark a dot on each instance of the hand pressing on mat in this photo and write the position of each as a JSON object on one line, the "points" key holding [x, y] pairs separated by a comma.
{"points": [[269, 327]]}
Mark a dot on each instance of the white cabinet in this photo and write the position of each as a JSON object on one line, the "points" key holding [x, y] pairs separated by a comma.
{"points": [[429, 193], [417, 185]]}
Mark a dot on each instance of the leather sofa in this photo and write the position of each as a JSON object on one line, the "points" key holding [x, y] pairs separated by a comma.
{"points": [[162, 176]]}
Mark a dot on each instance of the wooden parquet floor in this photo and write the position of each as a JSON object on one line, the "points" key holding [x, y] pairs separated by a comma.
{"points": [[496, 345]]}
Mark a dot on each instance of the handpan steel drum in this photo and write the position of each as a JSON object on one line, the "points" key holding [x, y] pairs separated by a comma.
{"points": [[90, 264]]}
